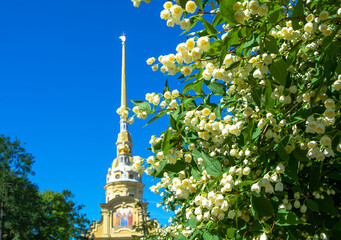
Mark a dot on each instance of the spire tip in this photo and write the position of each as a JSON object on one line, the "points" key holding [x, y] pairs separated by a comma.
{"points": [[123, 38]]}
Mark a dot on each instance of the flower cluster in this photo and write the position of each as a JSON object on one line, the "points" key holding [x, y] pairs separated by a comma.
{"points": [[263, 155]]}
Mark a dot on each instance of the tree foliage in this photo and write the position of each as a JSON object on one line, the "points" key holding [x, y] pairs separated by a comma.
{"points": [[253, 146], [24, 212]]}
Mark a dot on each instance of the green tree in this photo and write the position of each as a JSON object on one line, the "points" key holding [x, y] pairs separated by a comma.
{"points": [[253, 149], [65, 221], [24, 212]]}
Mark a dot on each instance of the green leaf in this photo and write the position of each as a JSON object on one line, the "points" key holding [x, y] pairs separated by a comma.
{"points": [[163, 163], [279, 70], [336, 175], [300, 155], [298, 12], [209, 28], [218, 19], [327, 205], [245, 183], [282, 152], [291, 169], [181, 237], [275, 16], [166, 88], [172, 121], [157, 116], [196, 174], [212, 165], [216, 88], [337, 226], [312, 205], [207, 236], [261, 205], [144, 106], [218, 111], [269, 102], [254, 41], [256, 93], [183, 3], [271, 44], [196, 86], [192, 222], [256, 133], [315, 176], [230, 232], [199, 3], [287, 218], [165, 142], [215, 237], [226, 10]]}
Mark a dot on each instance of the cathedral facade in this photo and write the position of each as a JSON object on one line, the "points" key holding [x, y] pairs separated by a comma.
{"points": [[123, 208]]}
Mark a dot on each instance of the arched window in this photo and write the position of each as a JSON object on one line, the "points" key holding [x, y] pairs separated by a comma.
{"points": [[131, 195], [131, 176], [117, 195]]}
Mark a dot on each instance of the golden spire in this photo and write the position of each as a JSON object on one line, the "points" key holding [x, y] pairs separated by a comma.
{"points": [[123, 83]]}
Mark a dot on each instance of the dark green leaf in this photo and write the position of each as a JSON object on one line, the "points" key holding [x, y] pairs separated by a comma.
{"points": [[209, 28], [300, 155], [275, 16], [271, 44], [269, 102], [327, 205], [315, 176], [256, 133], [312, 205], [336, 175], [183, 3], [212, 165], [216, 88], [166, 142], [291, 169], [226, 10], [279, 70], [218, 19], [282, 152], [172, 121], [256, 93], [337, 226], [166, 88], [287, 218], [261, 205], [298, 12], [157, 116]]}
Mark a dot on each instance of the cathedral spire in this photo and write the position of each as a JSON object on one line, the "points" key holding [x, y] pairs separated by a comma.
{"points": [[123, 78]]}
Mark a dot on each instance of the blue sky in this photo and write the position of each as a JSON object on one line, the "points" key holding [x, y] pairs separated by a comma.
{"points": [[60, 69]]}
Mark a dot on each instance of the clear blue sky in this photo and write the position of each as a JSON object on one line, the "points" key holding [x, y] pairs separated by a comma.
{"points": [[60, 68]]}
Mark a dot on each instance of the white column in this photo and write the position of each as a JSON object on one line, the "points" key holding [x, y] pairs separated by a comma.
{"points": [[106, 223]]}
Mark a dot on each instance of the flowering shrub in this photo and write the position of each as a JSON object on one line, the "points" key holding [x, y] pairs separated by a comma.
{"points": [[253, 149]]}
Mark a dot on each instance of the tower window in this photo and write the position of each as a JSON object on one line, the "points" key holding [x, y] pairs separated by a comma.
{"points": [[131, 195], [131, 176], [117, 176], [117, 196]]}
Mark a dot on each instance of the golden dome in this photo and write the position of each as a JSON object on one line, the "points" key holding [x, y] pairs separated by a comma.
{"points": [[124, 148]]}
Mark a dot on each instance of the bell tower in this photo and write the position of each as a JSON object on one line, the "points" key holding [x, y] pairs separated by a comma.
{"points": [[124, 188]]}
